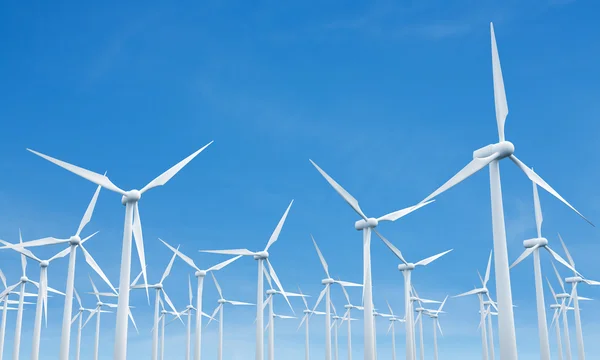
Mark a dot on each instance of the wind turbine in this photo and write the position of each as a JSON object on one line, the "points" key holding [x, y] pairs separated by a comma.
{"points": [[200, 275], [305, 320], [433, 314], [133, 226], [97, 311], [270, 293], [219, 309], [406, 268], [162, 319], [159, 290], [5, 308], [366, 225], [79, 316], [260, 257], [562, 297], [327, 292], [393, 319], [491, 155], [335, 324], [42, 293], [348, 315], [377, 314], [420, 310], [480, 292], [533, 246], [574, 281], [490, 329], [74, 242]]}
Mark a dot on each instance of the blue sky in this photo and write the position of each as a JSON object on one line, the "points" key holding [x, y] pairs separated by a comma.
{"points": [[390, 98]]}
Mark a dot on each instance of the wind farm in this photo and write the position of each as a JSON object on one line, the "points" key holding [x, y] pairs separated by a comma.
{"points": [[434, 263]]}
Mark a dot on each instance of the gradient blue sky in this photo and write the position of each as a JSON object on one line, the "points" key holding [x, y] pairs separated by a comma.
{"points": [[390, 98]]}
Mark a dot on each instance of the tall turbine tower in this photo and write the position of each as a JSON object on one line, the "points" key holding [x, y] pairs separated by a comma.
{"points": [[260, 257], [491, 155], [406, 268], [366, 225], [133, 226], [533, 246]]}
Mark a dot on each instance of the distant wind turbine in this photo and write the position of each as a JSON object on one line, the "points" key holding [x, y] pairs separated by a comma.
{"points": [[393, 319], [366, 225], [434, 314], [305, 320], [348, 315], [133, 226], [200, 275], [406, 268], [79, 316], [260, 257]]}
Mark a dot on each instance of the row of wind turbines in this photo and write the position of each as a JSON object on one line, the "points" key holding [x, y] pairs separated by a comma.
{"points": [[487, 156]]}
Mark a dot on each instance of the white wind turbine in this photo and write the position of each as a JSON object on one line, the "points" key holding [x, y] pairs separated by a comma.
{"points": [[305, 320], [490, 328], [97, 311], [433, 314], [491, 155], [420, 310], [406, 268], [5, 308], [377, 314], [260, 257], [348, 315], [269, 302], [533, 246], [133, 226], [200, 275], [563, 305], [556, 323], [159, 291], [79, 316], [42, 297], [327, 293], [480, 292], [574, 281], [335, 325], [161, 319], [367, 225], [393, 319], [219, 309], [74, 242]]}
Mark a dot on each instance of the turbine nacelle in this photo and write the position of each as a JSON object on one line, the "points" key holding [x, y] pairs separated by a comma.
{"points": [[327, 281], [555, 306], [74, 240], [348, 306], [574, 279], [131, 196], [363, 224], [271, 292], [563, 296], [200, 273], [44, 263], [24, 279], [221, 301], [99, 304], [307, 311], [420, 309], [261, 255], [502, 149], [158, 286], [540, 242], [406, 267], [190, 307], [164, 312]]}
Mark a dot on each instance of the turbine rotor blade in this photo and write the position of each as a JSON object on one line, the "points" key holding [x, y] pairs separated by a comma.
{"points": [[277, 231], [430, 259], [87, 216], [499, 92], [403, 212], [139, 244], [524, 255], [323, 262]]}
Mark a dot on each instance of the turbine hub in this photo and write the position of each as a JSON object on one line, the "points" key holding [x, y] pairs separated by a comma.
{"points": [[163, 312], [529, 243], [131, 196], [406, 267], [574, 279], [271, 292], [307, 311], [24, 279], [44, 263], [158, 286], [327, 281], [99, 304], [262, 255], [502, 149], [363, 224], [200, 273], [75, 240], [348, 306], [221, 301], [419, 309], [555, 306], [81, 309], [563, 296], [189, 307]]}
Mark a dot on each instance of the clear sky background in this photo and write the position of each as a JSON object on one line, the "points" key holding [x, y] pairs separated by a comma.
{"points": [[389, 97]]}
